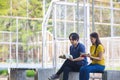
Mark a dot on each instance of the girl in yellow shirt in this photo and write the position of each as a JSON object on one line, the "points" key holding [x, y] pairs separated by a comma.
{"points": [[96, 55]]}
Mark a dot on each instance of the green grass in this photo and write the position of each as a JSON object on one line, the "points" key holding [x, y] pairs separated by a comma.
{"points": [[3, 72], [113, 68], [30, 73]]}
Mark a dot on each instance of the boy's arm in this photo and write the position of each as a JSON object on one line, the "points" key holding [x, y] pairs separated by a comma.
{"points": [[77, 59], [82, 51]]}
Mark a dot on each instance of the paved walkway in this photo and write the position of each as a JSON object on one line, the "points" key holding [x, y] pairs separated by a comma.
{"points": [[5, 78]]}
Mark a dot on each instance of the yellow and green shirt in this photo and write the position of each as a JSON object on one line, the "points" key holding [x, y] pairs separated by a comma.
{"points": [[99, 49]]}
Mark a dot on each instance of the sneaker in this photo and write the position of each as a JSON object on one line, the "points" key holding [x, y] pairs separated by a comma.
{"points": [[55, 76]]}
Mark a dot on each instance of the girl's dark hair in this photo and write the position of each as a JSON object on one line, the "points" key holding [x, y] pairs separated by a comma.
{"points": [[74, 36], [96, 36]]}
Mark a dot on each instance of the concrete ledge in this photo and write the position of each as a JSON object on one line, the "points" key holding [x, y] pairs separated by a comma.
{"points": [[75, 76], [44, 74], [111, 75], [17, 74], [72, 76], [106, 75], [96, 75]]}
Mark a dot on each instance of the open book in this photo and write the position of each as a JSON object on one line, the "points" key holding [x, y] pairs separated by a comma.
{"points": [[66, 56]]}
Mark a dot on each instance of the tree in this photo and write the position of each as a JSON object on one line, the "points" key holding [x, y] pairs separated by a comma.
{"points": [[4, 7], [27, 28]]}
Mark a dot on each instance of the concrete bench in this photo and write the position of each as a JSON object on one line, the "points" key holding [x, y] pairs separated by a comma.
{"points": [[97, 75], [72, 76], [75, 76], [20, 73], [105, 75], [111, 75], [43, 74]]}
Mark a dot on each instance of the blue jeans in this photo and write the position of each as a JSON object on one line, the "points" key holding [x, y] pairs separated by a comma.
{"points": [[85, 70]]}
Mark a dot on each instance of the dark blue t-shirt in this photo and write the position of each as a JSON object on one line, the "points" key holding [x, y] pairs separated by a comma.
{"points": [[77, 51]]}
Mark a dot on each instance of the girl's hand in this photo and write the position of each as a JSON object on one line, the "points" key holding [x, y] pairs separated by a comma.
{"points": [[90, 56]]}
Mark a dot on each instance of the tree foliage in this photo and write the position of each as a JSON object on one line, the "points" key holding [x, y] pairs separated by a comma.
{"points": [[4, 7], [27, 29]]}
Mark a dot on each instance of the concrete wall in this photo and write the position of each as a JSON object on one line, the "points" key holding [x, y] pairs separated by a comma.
{"points": [[111, 75], [44, 74], [72, 76]]}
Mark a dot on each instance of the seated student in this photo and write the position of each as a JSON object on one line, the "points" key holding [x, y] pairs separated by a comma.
{"points": [[70, 65], [96, 55]]}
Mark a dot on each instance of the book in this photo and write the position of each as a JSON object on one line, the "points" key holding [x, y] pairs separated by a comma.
{"points": [[66, 56]]}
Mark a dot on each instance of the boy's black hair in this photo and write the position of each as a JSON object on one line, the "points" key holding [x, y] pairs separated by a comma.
{"points": [[74, 36]]}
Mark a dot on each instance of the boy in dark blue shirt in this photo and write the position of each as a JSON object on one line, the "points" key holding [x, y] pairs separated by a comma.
{"points": [[71, 65]]}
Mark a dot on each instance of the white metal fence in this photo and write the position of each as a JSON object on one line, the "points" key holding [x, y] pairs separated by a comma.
{"points": [[22, 45]]}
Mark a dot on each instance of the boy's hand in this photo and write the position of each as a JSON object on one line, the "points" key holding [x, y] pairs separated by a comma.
{"points": [[83, 55], [62, 56], [65, 56]]}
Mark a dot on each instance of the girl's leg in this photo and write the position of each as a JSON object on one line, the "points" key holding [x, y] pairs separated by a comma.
{"points": [[84, 72]]}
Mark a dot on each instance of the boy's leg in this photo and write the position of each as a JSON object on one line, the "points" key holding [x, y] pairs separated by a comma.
{"points": [[73, 67], [66, 72], [66, 63]]}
